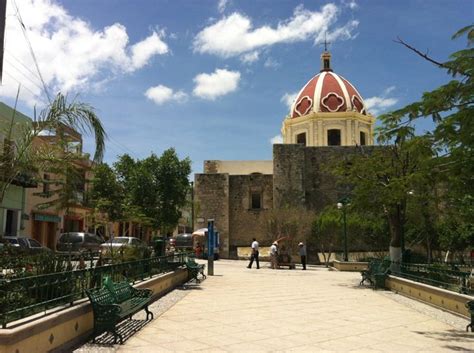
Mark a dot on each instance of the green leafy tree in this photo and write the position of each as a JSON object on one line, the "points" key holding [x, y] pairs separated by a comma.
{"points": [[382, 179], [326, 232], [107, 193], [451, 107], [154, 189]]}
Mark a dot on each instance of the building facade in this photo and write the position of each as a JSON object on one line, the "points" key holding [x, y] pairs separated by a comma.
{"points": [[328, 120], [13, 218]]}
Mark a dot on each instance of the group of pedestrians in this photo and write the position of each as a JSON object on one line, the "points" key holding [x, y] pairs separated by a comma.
{"points": [[274, 254]]}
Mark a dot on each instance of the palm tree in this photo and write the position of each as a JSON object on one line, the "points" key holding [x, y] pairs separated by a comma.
{"points": [[21, 157]]}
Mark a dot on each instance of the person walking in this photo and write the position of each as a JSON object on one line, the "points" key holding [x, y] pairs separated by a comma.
{"points": [[302, 251], [273, 255], [254, 255]]}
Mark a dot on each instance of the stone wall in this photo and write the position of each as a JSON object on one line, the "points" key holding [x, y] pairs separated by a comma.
{"points": [[211, 196], [301, 175], [245, 222], [288, 175]]}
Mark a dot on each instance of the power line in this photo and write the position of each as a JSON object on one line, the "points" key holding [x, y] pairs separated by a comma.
{"points": [[22, 73], [22, 84], [25, 34], [21, 63]]}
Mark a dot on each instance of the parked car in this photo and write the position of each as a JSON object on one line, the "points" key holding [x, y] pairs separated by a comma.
{"points": [[78, 243], [24, 245], [124, 248]]}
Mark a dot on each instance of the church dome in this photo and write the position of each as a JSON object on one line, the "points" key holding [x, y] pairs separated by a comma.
{"points": [[327, 92]]}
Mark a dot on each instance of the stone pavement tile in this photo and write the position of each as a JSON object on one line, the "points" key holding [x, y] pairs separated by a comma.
{"points": [[249, 335], [305, 338], [186, 346], [376, 336], [158, 336], [277, 343], [279, 331], [306, 349], [249, 347], [220, 340], [223, 329], [393, 347], [343, 344]]}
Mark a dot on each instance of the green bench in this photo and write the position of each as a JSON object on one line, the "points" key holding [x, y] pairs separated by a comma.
{"points": [[114, 302], [195, 269], [377, 271]]}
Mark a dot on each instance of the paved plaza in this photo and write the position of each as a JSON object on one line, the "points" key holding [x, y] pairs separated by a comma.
{"points": [[250, 310]]}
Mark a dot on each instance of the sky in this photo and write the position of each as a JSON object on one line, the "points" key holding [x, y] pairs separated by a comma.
{"points": [[214, 78]]}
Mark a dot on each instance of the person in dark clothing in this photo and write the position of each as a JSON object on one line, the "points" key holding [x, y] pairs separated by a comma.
{"points": [[302, 251], [254, 255]]}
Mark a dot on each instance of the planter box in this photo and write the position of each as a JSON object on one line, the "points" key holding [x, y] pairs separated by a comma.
{"points": [[438, 297], [353, 266]]}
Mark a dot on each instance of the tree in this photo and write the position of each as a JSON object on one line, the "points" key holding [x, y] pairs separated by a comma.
{"points": [[326, 230], [383, 177], [430, 175], [106, 194], [153, 189], [451, 106], [20, 156]]}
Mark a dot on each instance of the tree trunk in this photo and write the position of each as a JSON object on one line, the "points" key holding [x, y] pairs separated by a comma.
{"points": [[395, 222]]}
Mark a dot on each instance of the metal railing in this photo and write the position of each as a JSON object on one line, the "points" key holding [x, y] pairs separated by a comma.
{"points": [[31, 294], [443, 276]]}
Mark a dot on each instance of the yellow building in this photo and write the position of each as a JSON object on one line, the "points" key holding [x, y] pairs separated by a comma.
{"points": [[328, 111], [47, 218]]}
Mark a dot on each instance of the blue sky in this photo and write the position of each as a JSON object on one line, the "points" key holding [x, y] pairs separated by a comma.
{"points": [[210, 77]]}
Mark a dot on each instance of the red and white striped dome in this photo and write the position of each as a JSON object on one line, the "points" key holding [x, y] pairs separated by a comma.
{"points": [[327, 92]]}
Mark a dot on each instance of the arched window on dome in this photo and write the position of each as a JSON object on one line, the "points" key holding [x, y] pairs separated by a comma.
{"points": [[362, 138], [334, 137], [301, 139]]}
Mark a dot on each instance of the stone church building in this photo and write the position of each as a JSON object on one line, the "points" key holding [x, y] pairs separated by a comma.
{"points": [[327, 120]]}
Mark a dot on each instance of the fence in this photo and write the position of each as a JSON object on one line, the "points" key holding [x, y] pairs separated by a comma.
{"points": [[453, 279], [29, 295]]}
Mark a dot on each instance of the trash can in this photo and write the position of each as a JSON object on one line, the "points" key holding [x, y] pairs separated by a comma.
{"points": [[159, 246]]}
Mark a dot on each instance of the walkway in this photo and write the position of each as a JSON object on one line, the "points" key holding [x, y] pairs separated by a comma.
{"points": [[242, 310]]}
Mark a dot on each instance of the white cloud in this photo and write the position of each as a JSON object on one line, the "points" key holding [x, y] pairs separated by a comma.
{"points": [[271, 63], [235, 34], [379, 104], [218, 83], [249, 58], [161, 94], [276, 139], [221, 5], [144, 50], [71, 54], [288, 99], [351, 4]]}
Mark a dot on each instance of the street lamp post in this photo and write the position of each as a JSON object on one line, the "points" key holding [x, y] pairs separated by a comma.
{"points": [[210, 247], [342, 205], [192, 206]]}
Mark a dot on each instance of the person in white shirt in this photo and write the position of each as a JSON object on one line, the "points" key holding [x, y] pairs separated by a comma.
{"points": [[254, 255], [273, 255]]}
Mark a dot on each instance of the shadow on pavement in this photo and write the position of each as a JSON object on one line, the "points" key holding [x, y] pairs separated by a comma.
{"points": [[452, 336], [126, 328]]}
